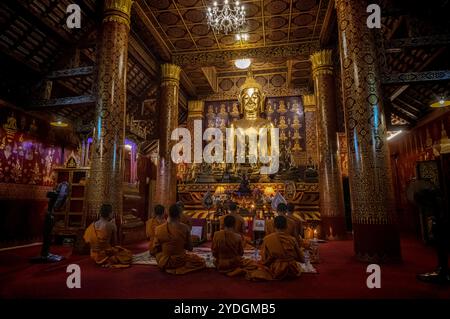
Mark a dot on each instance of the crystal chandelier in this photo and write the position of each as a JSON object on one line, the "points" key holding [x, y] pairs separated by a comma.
{"points": [[227, 19]]}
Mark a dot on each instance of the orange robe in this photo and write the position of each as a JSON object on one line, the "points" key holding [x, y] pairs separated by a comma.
{"points": [[279, 256], [169, 247], [239, 226], [227, 248], [290, 230], [101, 250], [151, 225], [186, 220]]}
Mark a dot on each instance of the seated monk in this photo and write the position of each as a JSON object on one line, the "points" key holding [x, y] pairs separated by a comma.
{"points": [[291, 228], [172, 239], [102, 236], [280, 254], [153, 222], [183, 218], [227, 248], [239, 226]]}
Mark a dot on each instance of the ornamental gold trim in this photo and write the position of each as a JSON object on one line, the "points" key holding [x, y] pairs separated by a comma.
{"points": [[117, 11], [170, 72], [322, 62], [195, 108], [309, 102]]}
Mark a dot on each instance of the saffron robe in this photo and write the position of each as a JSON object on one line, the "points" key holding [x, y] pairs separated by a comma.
{"points": [[239, 226], [186, 220], [99, 235], [227, 248], [150, 227], [169, 247], [291, 228], [280, 254]]}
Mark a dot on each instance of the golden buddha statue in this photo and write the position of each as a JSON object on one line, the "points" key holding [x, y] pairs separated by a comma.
{"points": [[297, 146], [282, 108], [282, 124], [251, 100], [223, 110], [211, 112], [235, 110], [270, 109], [296, 122]]}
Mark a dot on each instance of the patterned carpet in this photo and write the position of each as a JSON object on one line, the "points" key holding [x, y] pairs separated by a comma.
{"points": [[146, 259]]}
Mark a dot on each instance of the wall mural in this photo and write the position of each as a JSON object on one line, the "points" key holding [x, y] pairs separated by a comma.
{"points": [[27, 149]]}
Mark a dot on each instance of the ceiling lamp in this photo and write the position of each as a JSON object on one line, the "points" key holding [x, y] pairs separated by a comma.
{"points": [[441, 103], [241, 37], [59, 123], [242, 63], [226, 19]]}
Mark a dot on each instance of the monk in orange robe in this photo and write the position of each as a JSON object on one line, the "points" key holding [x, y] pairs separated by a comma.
{"points": [[184, 219], [239, 226], [291, 228], [102, 237], [172, 239], [280, 254], [298, 222], [152, 223], [227, 248]]}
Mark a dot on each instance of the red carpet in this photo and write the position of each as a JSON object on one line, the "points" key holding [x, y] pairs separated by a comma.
{"points": [[340, 276]]}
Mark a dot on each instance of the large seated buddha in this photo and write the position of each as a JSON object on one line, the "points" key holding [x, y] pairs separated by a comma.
{"points": [[251, 98]]}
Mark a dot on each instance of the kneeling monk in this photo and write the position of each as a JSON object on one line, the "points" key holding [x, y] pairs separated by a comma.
{"points": [[280, 254], [227, 248], [102, 236], [152, 223], [171, 240]]}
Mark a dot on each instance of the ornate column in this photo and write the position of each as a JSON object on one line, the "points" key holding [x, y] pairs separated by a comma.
{"points": [[106, 175], [376, 236], [166, 179], [330, 183], [309, 105], [195, 112]]}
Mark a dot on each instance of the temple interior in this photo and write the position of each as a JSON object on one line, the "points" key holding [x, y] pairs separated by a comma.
{"points": [[336, 108]]}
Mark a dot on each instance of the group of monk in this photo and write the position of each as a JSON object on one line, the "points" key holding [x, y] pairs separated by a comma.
{"points": [[170, 243]]}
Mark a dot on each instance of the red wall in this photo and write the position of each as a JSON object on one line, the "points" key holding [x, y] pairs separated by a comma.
{"points": [[406, 149], [29, 150]]}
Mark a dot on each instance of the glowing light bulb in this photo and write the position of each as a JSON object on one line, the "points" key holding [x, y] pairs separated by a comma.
{"points": [[441, 101], [215, 3], [238, 37], [226, 1]]}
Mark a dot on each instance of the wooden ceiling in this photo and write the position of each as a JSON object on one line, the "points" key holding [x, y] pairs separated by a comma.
{"points": [[269, 22], [35, 43]]}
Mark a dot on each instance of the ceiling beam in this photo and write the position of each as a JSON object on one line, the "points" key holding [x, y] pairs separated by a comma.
{"points": [[164, 49], [401, 89], [186, 83], [328, 24], [289, 63], [409, 77], [65, 101], [68, 73], [301, 50], [141, 54], [210, 74], [396, 109], [439, 39]]}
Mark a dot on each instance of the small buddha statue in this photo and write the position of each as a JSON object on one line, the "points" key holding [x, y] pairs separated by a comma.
{"points": [[282, 108], [235, 110], [282, 124], [223, 110], [296, 122], [297, 146], [211, 112]]}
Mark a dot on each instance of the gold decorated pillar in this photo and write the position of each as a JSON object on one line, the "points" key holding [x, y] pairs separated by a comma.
{"points": [[330, 183], [106, 175], [376, 236], [166, 178], [309, 105], [195, 112]]}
